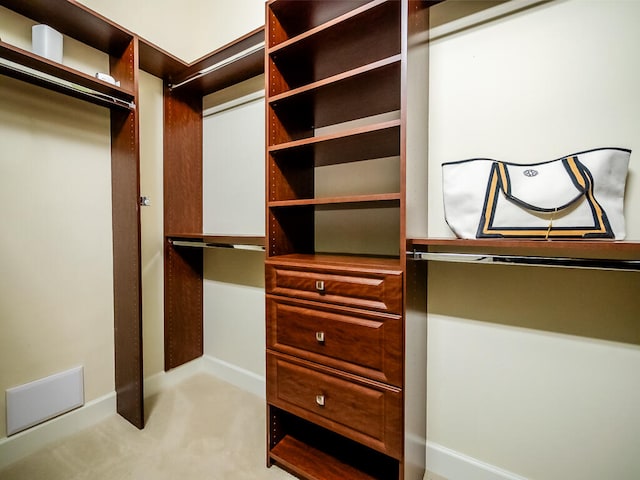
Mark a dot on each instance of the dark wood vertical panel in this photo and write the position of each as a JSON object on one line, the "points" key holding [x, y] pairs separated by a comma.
{"points": [[125, 187], [183, 330], [182, 214]]}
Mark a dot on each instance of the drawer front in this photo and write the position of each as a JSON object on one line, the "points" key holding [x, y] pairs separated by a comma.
{"points": [[367, 344], [369, 290], [366, 412]]}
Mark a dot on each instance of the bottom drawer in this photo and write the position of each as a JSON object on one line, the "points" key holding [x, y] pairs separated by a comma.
{"points": [[367, 412]]}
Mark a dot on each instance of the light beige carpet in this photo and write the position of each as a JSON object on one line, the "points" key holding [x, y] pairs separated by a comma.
{"points": [[203, 428]]}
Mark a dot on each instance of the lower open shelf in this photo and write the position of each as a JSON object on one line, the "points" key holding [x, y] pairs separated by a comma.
{"points": [[312, 452]]}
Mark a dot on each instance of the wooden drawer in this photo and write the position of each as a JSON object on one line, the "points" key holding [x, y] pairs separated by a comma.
{"points": [[369, 289], [368, 412], [361, 342]]}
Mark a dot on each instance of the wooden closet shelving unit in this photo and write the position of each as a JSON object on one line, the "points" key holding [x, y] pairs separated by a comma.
{"points": [[183, 189], [128, 55], [336, 94]]}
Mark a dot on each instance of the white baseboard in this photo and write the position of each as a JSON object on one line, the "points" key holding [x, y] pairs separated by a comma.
{"points": [[29, 441], [241, 378], [163, 380], [451, 465]]}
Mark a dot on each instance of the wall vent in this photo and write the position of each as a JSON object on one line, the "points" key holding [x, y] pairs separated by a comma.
{"points": [[41, 400]]}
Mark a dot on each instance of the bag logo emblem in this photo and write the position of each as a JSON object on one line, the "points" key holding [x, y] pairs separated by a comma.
{"points": [[530, 172]]}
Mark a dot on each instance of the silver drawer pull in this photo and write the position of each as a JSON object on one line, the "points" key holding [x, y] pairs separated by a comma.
{"points": [[320, 285], [320, 337], [320, 400]]}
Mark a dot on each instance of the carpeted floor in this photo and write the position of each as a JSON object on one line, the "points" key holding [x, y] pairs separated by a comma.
{"points": [[201, 429]]}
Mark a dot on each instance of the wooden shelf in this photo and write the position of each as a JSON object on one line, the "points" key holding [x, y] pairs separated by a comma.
{"points": [[54, 76], [346, 201], [158, 62], [75, 20], [296, 17], [340, 77], [230, 64], [313, 452], [356, 94], [309, 462], [362, 37], [319, 31], [378, 140], [341, 26]]}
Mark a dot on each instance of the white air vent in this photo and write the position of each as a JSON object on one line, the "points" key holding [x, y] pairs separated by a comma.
{"points": [[41, 400]]}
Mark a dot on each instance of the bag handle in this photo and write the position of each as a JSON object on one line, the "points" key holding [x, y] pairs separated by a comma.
{"points": [[575, 171]]}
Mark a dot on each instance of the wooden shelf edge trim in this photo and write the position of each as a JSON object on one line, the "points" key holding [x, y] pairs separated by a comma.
{"points": [[345, 201]]}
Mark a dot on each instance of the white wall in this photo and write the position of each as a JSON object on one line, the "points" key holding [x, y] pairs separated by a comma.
{"points": [[530, 370]]}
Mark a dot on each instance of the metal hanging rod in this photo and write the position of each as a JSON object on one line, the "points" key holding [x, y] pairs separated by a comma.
{"points": [[559, 262], [43, 79], [223, 63], [237, 246]]}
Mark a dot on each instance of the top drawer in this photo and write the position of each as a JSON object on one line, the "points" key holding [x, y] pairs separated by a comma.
{"points": [[371, 290]]}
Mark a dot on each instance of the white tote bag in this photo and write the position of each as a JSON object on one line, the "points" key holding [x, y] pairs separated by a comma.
{"points": [[578, 196]]}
